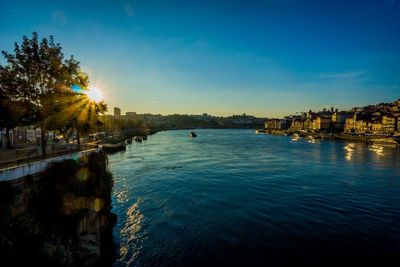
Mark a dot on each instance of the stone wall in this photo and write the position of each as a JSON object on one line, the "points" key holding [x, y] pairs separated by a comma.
{"points": [[61, 216]]}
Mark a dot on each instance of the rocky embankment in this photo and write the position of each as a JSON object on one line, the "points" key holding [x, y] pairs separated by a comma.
{"points": [[61, 217]]}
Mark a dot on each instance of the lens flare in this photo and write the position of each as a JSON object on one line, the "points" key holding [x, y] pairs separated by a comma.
{"points": [[94, 94]]}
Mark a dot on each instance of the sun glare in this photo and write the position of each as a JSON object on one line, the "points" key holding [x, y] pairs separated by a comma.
{"points": [[94, 94]]}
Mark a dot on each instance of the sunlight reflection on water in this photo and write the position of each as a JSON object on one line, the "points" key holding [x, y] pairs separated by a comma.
{"points": [[130, 246], [122, 196]]}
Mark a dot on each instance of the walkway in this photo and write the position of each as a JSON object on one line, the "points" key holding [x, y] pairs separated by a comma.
{"points": [[22, 170], [14, 157]]}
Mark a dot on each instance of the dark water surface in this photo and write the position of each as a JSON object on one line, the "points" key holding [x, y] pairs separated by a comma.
{"points": [[232, 197]]}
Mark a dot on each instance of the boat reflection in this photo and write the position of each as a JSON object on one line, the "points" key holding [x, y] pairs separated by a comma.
{"points": [[349, 151], [379, 150]]}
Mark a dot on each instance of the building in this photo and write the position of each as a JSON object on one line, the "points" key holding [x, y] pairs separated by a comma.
{"points": [[350, 126], [286, 122], [33, 135], [357, 109], [339, 119], [321, 124], [359, 123], [394, 109], [302, 124], [297, 125], [240, 119], [363, 126], [117, 111], [398, 125], [3, 138], [22, 136], [388, 124], [273, 124], [131, 114], [376, 127]]}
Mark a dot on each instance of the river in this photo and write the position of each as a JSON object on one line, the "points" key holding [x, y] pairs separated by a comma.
{"points": [[233, 197]]}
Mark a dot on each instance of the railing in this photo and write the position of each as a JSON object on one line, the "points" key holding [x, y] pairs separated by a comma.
{"points": [[17, 157], [40, 165]]}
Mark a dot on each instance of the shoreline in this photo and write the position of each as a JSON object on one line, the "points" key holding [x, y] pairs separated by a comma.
{"points": [[362, 138], [388, 141]]}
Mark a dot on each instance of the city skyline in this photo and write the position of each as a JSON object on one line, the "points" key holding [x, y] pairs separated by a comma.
{"points": [[268, 59]]}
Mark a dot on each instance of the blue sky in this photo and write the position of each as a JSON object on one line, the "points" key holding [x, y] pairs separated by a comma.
{"points": [[266, 58]]}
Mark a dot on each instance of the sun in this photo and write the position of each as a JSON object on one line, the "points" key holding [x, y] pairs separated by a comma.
{"points": [[94, 94]]}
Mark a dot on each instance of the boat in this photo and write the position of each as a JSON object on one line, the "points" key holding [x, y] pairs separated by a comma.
{"points": [[129, 140], [311, 139], [138, 139], [112, 148], [192, 134], [295, 137], [384, 142]]}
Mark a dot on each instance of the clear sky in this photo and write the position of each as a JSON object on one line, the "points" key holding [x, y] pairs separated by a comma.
{"points": [[266, 58]]}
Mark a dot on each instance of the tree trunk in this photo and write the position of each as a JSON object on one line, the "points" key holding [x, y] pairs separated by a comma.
{"points": [[43, 140], [8, 138], [78, 138]]}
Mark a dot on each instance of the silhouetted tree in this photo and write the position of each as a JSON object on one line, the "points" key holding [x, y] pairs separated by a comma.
{"points": [[87, 119], [15, 109], [45, 79]]}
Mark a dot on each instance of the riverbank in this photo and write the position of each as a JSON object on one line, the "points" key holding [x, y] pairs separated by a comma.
{"points": [[389, 141]]}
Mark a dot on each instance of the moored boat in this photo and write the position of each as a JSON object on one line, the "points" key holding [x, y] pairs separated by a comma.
{"points": [[295, 137], [112, 148], [138, 139], [385, 142], [311, 139]]}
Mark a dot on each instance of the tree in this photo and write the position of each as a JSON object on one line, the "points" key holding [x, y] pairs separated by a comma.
{"points": [[83, 115], [45, 78], [15, 109]]}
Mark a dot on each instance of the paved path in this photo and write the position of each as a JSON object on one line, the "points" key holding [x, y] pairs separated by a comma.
{"points": [[38, 166], [14, 157]]}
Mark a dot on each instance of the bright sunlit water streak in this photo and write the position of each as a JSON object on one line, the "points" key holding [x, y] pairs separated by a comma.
{"points": [[234, 197]]}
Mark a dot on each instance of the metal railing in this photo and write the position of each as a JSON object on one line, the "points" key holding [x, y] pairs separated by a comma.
{"points": [[16, 157]]}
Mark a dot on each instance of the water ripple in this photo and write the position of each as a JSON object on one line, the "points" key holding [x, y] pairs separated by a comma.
{"points": [[231, 197]]}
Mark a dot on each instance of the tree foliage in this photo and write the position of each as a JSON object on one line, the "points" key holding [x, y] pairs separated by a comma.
{"points": [[36, 88]]}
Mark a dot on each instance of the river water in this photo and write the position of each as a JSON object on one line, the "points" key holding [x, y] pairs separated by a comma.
{"points": [[233, 197]]}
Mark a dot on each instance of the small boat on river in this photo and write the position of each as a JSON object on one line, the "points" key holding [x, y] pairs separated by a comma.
{"points": [[311, 139], [138, 139], [295, 137], [192, 134], [112, 148]]}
